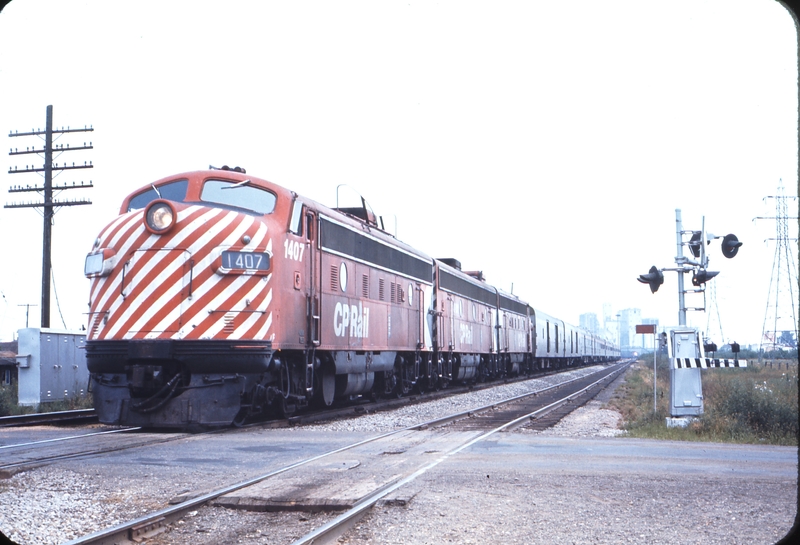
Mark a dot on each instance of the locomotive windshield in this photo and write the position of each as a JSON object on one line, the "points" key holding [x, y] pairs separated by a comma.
{"points": [[239, 195], [173, 191]]}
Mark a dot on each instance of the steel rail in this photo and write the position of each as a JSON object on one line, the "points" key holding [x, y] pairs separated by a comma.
{"points": [[471, 412], [66, 438], [386, 404], [332, 530], [151, 524], [47, 418], [15, 467], [521, 421]]}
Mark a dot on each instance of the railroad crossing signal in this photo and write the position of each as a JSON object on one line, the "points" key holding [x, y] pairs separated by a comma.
{"points": [[694, 243], [730, 245], [697, 264], [654, 278], [702, 276]]}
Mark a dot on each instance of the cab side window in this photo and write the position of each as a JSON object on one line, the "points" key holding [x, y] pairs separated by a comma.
{"points": [[296, 222]]}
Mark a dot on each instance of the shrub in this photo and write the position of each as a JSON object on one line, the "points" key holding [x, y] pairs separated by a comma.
{"points": [[760, 405], [8, 399], [745, 405]]}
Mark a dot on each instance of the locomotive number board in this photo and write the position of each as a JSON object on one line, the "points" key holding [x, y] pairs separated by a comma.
{"points": [[245, 260]]}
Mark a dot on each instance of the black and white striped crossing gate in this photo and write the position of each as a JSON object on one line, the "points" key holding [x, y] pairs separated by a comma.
{"points": [[705, 363]]}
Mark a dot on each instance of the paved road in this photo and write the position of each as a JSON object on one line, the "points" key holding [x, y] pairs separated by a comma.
{"points": [[519, 488]]}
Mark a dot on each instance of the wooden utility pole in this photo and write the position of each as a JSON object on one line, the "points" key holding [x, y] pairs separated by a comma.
{"points": [[49, 204]]}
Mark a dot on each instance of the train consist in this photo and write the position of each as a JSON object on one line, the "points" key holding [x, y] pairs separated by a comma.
{"points": [[217, 297]]}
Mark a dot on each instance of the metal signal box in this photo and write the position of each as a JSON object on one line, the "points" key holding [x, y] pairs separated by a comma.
{"points": [[685, 384], [52, 365]]}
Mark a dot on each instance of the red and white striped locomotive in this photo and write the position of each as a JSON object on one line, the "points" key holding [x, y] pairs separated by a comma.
{"points": [[218, 297]]}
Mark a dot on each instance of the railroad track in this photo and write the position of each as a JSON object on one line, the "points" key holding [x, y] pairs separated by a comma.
{"points": [[540, 410], [367, 406], [17, 457], [31, 454], [79, 416], [413, 442]]}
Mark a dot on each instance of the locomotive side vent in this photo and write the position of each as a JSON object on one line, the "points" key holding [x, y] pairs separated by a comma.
{"points": [[98, 318], [365, 285], [334, 278], [382, 289], [229, 326], [393, 288]]}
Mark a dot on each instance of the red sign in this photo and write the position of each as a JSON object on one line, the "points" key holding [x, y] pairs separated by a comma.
{"points": [[645, 329]]}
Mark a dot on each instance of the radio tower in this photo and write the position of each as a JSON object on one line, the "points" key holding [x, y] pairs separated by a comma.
{"points": [[49, 203], [777, 331]]}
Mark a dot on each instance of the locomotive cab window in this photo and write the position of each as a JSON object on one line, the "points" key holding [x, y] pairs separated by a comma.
{"points": [[296, 223], [173, 191], [309, 225], [239, 195]]}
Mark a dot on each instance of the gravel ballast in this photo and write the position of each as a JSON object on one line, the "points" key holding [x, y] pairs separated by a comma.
{"points": [[456, 503]]}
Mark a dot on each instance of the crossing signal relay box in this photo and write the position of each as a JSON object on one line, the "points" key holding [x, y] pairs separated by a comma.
{"points": [[51, 365]]}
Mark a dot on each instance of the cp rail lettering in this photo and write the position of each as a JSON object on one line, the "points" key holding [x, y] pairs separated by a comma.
{"points": [[357, 317]]}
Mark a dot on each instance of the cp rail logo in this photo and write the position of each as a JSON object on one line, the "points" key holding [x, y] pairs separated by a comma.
{"points": [[357, 317]]}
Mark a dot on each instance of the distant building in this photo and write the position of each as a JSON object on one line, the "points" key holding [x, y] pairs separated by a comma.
{"points": [[590, 322], [628, 320], [621, 326], [8, 362]]}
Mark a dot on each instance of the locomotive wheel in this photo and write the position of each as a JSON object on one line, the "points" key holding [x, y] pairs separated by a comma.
{"points": [[397, 391], [400, 386], [481, 373], [392, 385]]}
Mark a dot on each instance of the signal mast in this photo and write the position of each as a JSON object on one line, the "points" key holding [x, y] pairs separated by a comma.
{"points": [[685, 383]]}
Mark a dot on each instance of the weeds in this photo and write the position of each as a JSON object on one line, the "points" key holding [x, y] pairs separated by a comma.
{"points": [[9, 405], [745, 405], [8, 401]]}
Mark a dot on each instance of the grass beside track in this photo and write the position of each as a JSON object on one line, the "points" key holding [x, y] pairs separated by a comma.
{"points": [[10, 407], [756, 404]]}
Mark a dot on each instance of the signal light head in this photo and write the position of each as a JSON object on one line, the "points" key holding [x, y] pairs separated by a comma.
{"points": [[702, 276], [730, 245], [159, 217], [654, 278], [695, 243]]}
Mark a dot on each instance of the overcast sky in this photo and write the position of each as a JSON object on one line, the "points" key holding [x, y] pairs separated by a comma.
{"points": [[545, 143]]}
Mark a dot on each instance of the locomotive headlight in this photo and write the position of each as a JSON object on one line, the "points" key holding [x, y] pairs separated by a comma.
{"points": [[159, 217], [100, 263]]}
